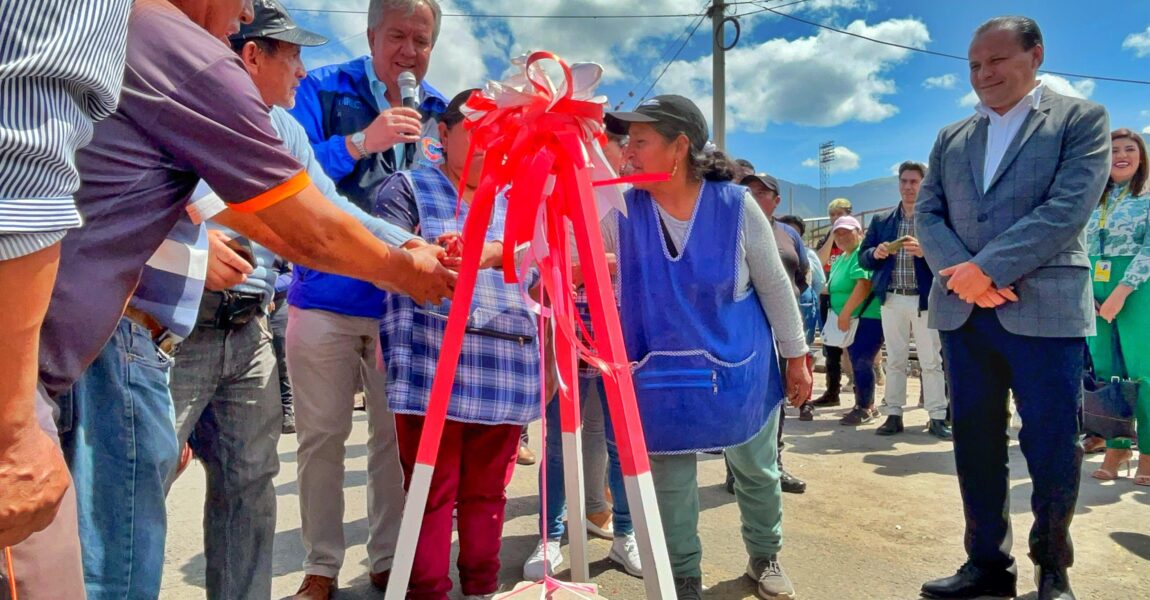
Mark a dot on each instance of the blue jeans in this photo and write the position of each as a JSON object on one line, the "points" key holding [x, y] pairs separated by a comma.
{"points": [[863, 350], [809, 307], [226, 390], [556, 494], [118, 434]]}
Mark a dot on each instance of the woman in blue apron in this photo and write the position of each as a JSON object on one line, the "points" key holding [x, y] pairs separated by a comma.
{"points": [[704, 302], [497, 385]]}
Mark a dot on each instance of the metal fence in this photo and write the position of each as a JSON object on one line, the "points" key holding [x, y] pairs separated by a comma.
{"points": [[817, 227]]}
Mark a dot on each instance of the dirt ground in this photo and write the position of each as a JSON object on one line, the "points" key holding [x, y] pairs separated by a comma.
{"points": [[880, 516]]}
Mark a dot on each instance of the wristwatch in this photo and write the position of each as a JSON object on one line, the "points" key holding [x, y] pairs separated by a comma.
{"points": [[357, 139]]}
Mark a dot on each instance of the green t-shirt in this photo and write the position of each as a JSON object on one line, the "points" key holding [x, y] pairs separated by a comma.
{"points": [[844, 273]]}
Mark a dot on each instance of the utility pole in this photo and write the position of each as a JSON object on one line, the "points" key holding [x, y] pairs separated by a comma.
{"points": [[719, 75]]}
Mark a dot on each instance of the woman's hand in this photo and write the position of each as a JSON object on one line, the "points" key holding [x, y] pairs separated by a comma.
{"points": [[844, 322], [1113, 305], [453, 259], [798, 381]]}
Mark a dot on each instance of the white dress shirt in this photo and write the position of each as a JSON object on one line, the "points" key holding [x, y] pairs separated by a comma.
{"points": [[1003, 129]]}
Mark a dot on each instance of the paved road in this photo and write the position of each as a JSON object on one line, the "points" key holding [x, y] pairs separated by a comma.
{"points": [[880, 516]]}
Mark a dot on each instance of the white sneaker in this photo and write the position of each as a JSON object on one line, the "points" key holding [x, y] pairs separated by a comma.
{"points": [[538, 565], [625, 551]]}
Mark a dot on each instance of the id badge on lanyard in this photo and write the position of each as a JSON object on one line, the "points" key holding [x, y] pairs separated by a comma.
{"points": [[1102, 271]]}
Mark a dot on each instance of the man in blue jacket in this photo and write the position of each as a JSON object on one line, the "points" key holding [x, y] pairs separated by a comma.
{"points": [[354, 117], [902, 283]]}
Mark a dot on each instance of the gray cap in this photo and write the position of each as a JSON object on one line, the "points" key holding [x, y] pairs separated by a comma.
{"points": [[273, 21], [768, 182]]}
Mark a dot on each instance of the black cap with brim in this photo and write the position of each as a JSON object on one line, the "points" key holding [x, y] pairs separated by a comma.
{"points": [[765, 180], [671, 109], [272, 21], [454, 113]]}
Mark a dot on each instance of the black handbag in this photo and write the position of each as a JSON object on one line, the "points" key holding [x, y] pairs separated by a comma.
{"points": [[1108, 405]]}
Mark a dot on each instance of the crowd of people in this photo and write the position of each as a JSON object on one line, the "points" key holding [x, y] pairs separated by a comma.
{"points": [[204, 245]]}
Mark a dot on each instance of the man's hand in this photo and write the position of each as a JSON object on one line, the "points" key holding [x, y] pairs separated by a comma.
{"points": [[427, 281], [912, 246], [33, 479], [993, 298], [798, 381], [226, 269], [967, 280], [393, 126], [844, 322], [881, 252]]}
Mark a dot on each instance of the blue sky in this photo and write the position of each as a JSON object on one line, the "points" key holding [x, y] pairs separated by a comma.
{"points": [[790, 86]]}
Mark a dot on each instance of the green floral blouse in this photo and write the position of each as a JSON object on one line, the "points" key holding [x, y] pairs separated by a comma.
{"points": [[1126, 228]]}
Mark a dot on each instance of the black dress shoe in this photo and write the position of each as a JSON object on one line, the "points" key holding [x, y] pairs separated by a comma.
{"points": [[939, 429], [892, 426], [790, 483], [1053, 584], [972, 582]]}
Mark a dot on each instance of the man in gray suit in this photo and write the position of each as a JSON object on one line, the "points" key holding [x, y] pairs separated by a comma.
{"points": [[1000, 219]]}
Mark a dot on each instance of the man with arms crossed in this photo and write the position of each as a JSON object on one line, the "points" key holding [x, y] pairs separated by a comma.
{"points": [[1000, 219]]}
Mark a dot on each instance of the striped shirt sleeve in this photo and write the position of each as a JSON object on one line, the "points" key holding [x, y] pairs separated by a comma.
{"points": [[61, 67]]}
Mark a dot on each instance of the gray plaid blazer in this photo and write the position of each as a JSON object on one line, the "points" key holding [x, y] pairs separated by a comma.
{"points": [[1026, 229]]}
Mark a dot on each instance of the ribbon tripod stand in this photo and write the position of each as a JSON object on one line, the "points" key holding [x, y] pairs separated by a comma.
{"points": [[541, 145]]}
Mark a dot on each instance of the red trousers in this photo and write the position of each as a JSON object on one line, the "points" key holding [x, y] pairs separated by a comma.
{"points": [[474, 464]]}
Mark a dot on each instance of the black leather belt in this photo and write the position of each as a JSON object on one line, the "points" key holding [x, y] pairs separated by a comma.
{"points": [[229, 310], [905, 292]]}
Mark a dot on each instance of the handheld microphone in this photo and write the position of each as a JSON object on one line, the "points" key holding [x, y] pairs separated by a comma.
{"points": [[409, 95], [409, 90]]}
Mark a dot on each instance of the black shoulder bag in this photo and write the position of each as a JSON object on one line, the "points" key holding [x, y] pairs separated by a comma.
{"points": [[1108, 406]]}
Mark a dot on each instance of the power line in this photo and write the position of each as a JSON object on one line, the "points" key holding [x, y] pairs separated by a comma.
{"points": [[690, 33], [941, 54], [662, 57], [672, 60], [763, 7], [497, 16]]}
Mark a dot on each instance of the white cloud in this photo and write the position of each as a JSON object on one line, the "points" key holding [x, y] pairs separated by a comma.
{"points": [[845, 160], [1146, 130], [823, 80], [628, 49], [613, 43], [1083, 88], [456, 62], [945, 82], [1138, 42]]}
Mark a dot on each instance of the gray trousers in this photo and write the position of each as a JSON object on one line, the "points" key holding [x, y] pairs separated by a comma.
{"points": [[47, 565], [225, 387], [329, 355]]}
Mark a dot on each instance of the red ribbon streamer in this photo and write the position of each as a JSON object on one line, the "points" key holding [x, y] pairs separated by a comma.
{"points": [[528, 148]]}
